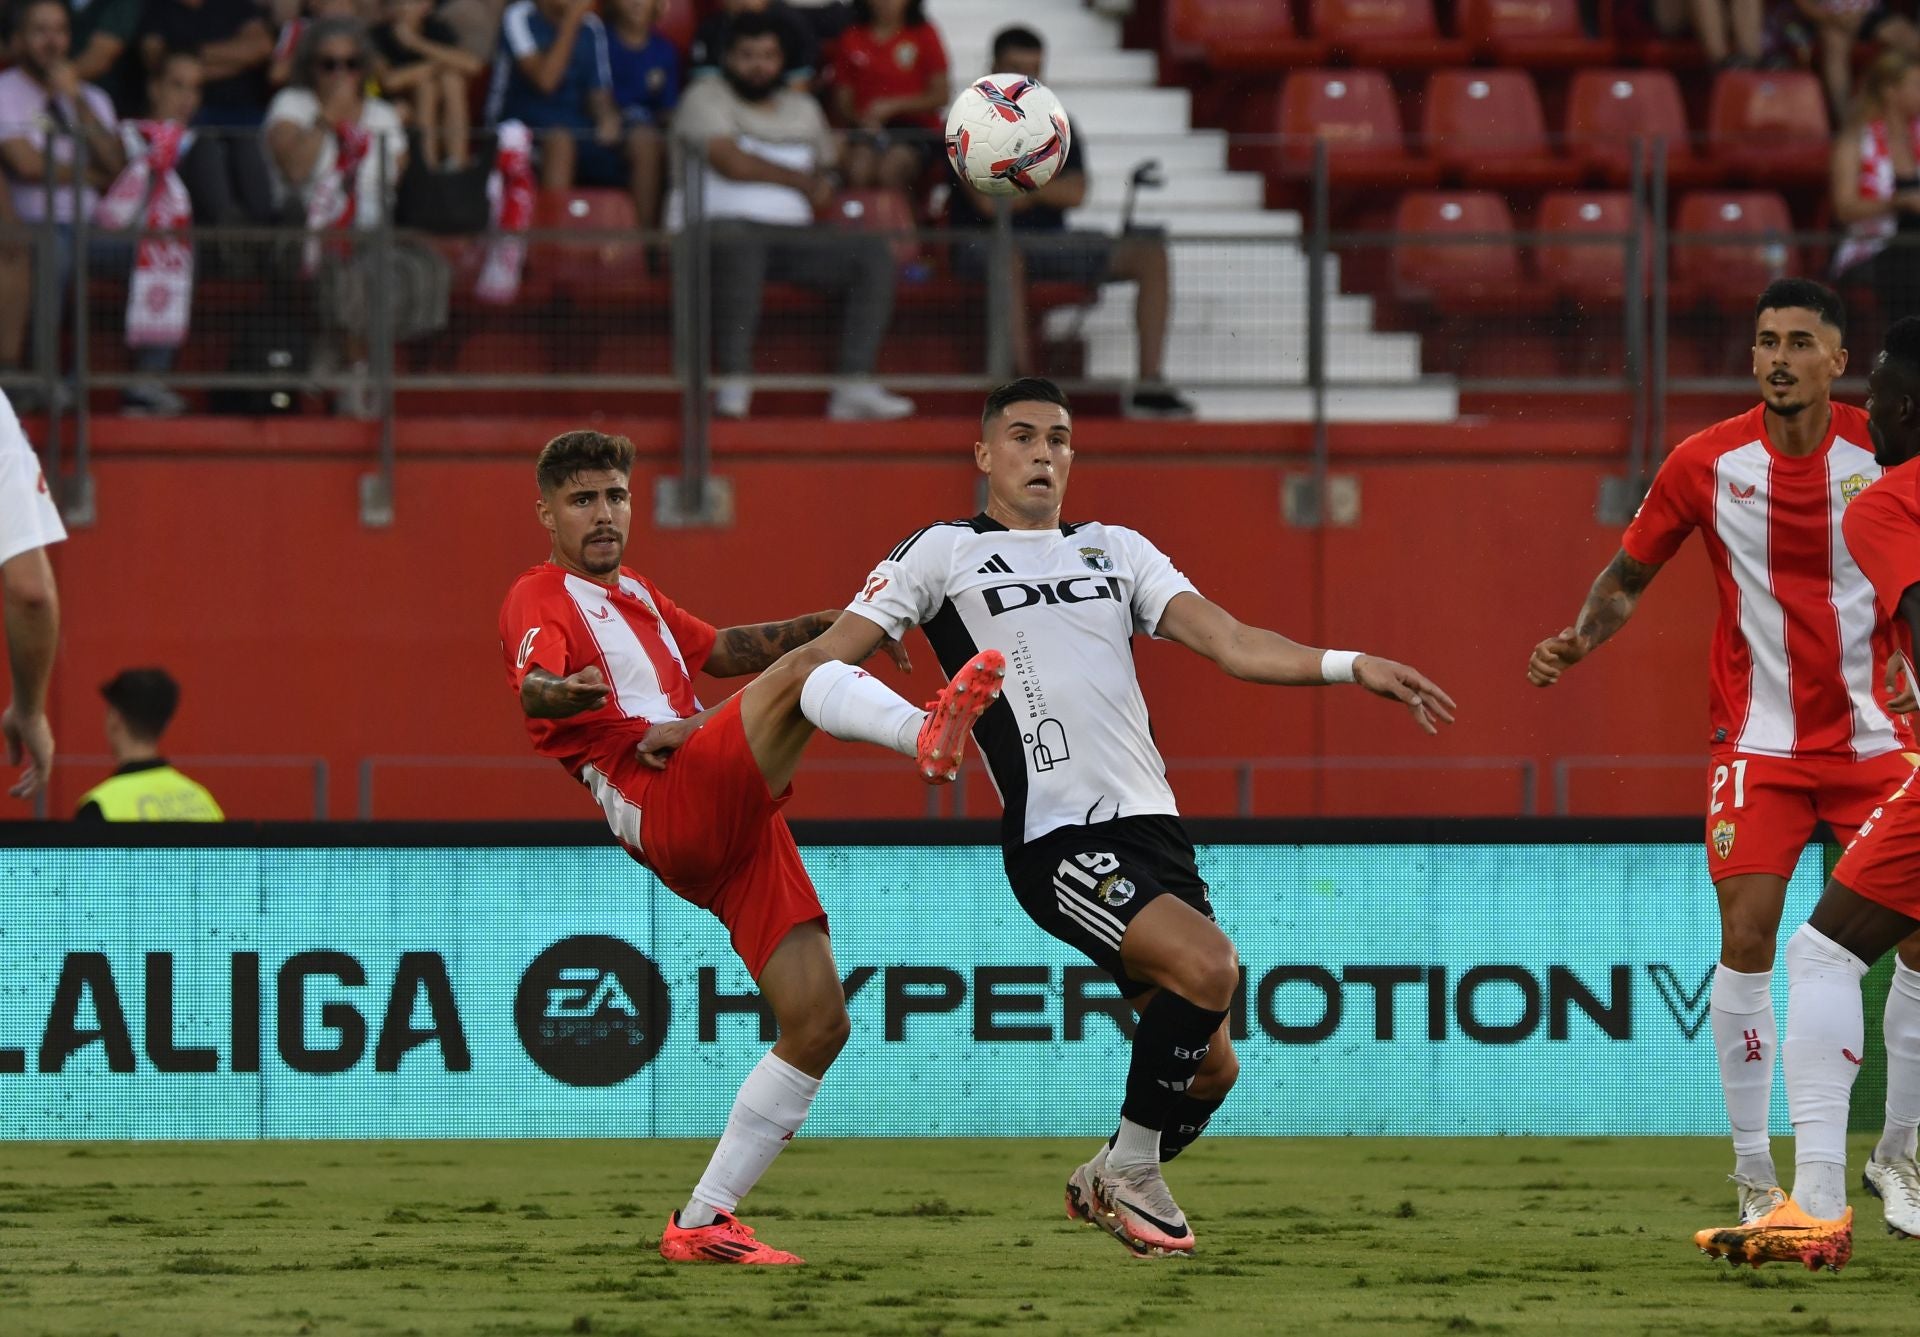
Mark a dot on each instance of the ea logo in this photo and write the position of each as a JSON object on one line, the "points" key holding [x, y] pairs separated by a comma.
{"points": [[591, 1010]]}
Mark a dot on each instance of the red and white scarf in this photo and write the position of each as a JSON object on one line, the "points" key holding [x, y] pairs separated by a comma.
{"points": [[510, 196], [334, 205], [149, 195]]}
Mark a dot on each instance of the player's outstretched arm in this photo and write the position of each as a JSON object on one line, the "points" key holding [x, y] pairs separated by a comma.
{"points": [[1254, 654], [1611, 601], [753, 649], [547, 697]]}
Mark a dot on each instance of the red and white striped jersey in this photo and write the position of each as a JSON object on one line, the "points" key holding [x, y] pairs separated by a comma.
{"points": [[648, 648], [1800, 648]]}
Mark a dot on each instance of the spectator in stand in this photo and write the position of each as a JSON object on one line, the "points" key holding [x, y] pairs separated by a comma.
{"points": [[1876, 187], [797, 38], [1841, 25], [767, 149], [646, 89], [44, 94], [337, 156], [889, 80], [225, 172], [1731, 32], [104, 32], [419, 62], [554, 74], [287, 45], [1045, 249]]}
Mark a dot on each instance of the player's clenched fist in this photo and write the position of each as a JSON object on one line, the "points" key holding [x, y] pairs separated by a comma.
{"points": [[1555, 655]]}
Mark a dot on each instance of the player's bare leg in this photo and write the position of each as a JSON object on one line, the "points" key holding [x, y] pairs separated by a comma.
{"points": [[802, 984], [1194, 971], [1744, 1031]]}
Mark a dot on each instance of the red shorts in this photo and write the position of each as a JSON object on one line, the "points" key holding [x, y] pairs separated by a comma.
{"points": [[709, 829], [1762, 811], [1883, 862]]}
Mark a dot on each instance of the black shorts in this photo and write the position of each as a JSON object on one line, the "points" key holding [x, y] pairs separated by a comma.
{"points": [[1084, 884], [1052, 257]]}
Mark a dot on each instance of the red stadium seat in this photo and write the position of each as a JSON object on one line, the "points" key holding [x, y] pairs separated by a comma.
{"points": [[677, 22], [610, 267], [1395, 34], [1728, 245], [1485, 128], [1449, 275], [1535, 33], [1582, 253], [1357, 114], [1607, 110], [1770, 127], [1236, 34]]}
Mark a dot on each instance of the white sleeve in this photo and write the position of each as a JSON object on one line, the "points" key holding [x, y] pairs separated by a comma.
{"points": [[907, 589], [1155, 579], [517, 29], [297, 105], [28, 517]]}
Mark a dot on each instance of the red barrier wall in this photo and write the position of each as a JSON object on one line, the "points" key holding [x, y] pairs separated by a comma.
{"points": [[236, 558]]}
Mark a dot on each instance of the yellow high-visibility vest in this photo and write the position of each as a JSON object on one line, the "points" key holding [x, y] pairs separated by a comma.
{"points": [[156, 794]]}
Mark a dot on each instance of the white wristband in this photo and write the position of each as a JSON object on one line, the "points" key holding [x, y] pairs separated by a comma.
{"points": [[1337, 665]]}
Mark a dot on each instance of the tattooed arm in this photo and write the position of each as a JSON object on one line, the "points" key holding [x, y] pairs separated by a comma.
{"points": [[750, 649], [1609, 604], [546, 697]]}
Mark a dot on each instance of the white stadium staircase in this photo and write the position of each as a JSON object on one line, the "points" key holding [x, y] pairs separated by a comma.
{"points": [[1239, 287]]}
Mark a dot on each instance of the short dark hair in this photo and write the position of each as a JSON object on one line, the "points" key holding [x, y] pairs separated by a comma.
{"points": [[1815, 297], [168, 57], [1026, 389], [756, 23], [1017, 38], [146, 699], [573, 453], [915, 16], [16, 14], [1902, 345]]}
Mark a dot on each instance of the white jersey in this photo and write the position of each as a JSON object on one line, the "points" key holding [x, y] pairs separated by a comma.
{"points": [[28, 517], [1068, 743]]}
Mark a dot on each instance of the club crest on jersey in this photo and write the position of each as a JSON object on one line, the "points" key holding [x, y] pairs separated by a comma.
{"points": [[1097, 559], [1115, 890], [1853, 487], [1723, 838]]}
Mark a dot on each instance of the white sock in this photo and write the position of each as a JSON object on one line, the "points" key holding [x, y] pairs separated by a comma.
{"points": [[1743, 1035], [850, 703], [769, 1110], [1826, 1030], [1903, 1065], [1133, 1146]]}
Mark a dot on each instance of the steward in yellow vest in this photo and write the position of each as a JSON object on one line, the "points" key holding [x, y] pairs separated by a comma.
{"points": [[144, 788]]}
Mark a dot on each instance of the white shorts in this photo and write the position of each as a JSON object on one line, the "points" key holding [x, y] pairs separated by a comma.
{"points": [[28, 517]]}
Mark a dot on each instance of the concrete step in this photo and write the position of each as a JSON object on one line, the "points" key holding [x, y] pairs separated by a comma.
{"points": [[1430, 401], [970, 32], [1217, 355], [1079, 67], [1186, 190], [1115, 111], [1197, 150], [1258, 223]]}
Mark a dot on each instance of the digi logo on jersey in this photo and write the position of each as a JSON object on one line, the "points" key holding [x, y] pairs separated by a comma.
{"points": [[592, 1010], [1073, 590]]}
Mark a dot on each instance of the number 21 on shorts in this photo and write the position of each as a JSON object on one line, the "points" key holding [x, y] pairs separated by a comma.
{"points": [[1739, 770]]}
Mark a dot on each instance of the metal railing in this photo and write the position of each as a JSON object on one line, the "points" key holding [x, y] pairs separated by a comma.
{"points": [[1328, 319]]}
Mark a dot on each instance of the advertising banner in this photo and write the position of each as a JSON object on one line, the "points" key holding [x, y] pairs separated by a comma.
{"points": [[529, 991]]}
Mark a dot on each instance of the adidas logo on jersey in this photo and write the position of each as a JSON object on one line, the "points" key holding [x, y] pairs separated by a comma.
{"points": [[996, 566]]}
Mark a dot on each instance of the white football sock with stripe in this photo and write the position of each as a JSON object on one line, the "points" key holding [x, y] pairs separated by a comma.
{"points": [[1743, 1035], [1826, 1030], [1903, 1065], [769, 1110], [850, 703]]}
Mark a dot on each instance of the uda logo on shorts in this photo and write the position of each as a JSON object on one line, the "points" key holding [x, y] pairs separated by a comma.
{"points": [[1723, 838], [1115, 891]]}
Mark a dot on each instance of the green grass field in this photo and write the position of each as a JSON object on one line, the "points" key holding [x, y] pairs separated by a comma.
{"points": [[1557, 1236]]}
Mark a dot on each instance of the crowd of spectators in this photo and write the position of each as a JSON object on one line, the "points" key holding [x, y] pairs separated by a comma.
{"points": [[341, 113]]}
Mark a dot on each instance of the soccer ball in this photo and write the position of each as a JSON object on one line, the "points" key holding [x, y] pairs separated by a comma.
{"points": [[1007, 135]]}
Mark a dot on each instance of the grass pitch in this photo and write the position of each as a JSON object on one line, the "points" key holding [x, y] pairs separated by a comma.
{"points": [[1557, 1236]]}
